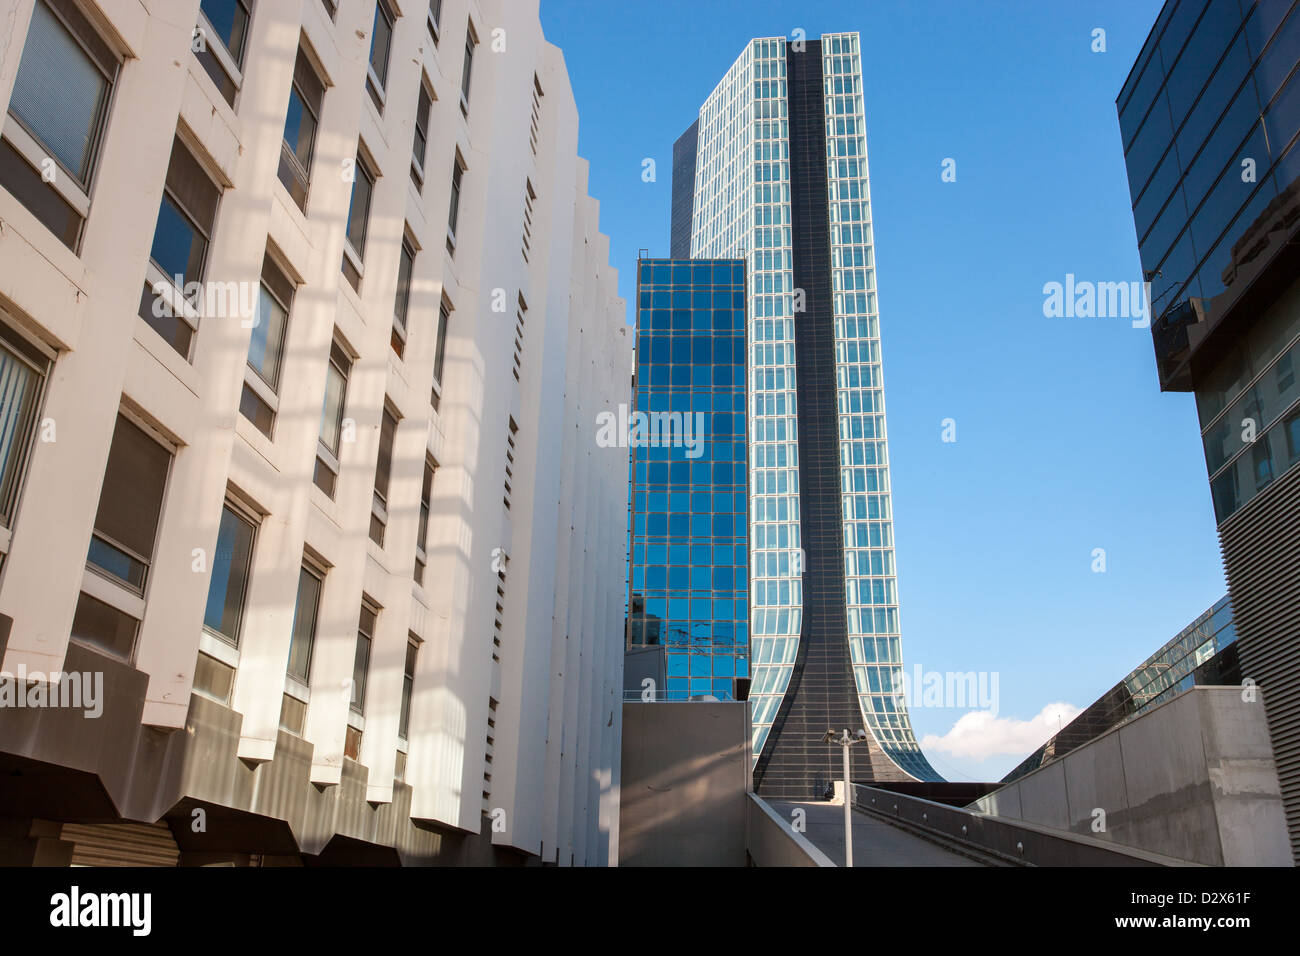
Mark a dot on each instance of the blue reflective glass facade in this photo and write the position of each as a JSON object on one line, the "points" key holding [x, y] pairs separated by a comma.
{"points": [[689, 587]]}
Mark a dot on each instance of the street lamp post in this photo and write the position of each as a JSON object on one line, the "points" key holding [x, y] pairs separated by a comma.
{"points": [[846, 740]]}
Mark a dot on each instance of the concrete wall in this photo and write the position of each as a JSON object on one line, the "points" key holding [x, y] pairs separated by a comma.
{"points": [[1192, 779], [771, 841], [685, 786]]}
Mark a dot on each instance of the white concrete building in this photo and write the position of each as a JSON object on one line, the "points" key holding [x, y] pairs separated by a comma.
{"points": [[216, 220]]}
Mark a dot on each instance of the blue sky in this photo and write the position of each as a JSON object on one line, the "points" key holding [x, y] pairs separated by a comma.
{"points": [[1064, 441]]}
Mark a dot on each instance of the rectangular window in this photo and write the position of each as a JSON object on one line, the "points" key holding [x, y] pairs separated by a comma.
{"points": [[305, 611], [420, 144], [383, 477], [440, 353], [361, 660], [453, 213], [219, 42], [402, 303], [23, 371], [535, 121], [56, 119], [121, 546], [260, 399], [530, 197], [467, 67], [422, 534], [354, 249], [408, 686], [435, 20], [331, 419], [186, 217], [306, 96], [381, 42], [231, 561]]}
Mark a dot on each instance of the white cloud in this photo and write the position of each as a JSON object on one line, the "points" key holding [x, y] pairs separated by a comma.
{"points": [[979, 735]]}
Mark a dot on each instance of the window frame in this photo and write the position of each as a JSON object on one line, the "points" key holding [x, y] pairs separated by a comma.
{"points": [[458, 170], [253, 380], [419, 163], [376, 85], [445, 309], [357, 709], [434, 20], [422, 524], [288, 155], [242, 512], [402, 299], [379, 511], [30, 148], [467, 67], [330, 457], [162, 285], [17, 343], [230, 61], [299, 688], [107, 588]]}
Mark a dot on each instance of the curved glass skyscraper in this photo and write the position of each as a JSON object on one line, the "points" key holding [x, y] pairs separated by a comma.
{"points": [[774, 171]]}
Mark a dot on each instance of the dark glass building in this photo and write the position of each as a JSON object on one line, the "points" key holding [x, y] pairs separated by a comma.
{"points": [[1209, 117], [689, 582]]}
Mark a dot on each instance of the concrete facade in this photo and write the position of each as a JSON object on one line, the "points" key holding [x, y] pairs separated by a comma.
{"points": [[514, 713], [1192, 779], [686, 784]]}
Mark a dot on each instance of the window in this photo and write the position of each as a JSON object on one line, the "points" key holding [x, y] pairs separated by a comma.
{"points": [[360, 673], [56, 120], [23, 371], [228, 587], [354, 249], [402, 303], [521, 310], [535, 122], [306, 96], [331, 7], [186, 215], [420, 145], [422, 534], [440, 353], [331, 419], [453, 214], [260, 399], [467, 67], [1292, 428], [408, 685], [361, 660], [219, 42], [530, 197], [435, 19], [305, 611], [383, 476], [381, 42], [121, 547]]}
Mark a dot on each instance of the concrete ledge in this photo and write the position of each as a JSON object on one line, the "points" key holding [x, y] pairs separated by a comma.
{"points": [[771, 841]]}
